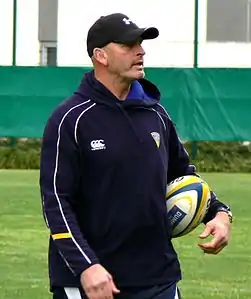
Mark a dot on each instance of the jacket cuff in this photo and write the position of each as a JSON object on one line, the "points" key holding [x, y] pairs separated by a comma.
{"points": [[215, 207]]}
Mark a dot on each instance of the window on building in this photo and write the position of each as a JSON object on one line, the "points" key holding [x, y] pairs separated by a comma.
{"points": [[47, 32], [52, 56], [229, 20], [48, 54]]}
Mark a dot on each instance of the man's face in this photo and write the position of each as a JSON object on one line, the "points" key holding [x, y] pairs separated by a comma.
{"points": [[126, 61]]}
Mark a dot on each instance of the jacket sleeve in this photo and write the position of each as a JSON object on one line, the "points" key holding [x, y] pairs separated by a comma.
{"points": [[59, 177], [179, 165]]}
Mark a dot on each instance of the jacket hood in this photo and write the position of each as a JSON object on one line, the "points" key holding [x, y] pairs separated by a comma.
{"points": [[143, 92]]}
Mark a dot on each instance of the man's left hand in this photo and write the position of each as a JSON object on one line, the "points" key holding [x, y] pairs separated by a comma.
{"points": [[219, 228]]}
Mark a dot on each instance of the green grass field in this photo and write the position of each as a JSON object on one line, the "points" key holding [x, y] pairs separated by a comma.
{"points": [[23, 243]]}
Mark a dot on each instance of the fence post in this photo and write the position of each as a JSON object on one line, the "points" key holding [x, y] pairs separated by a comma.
{"points": [[14, 42], [195, 59], [196, 34]]}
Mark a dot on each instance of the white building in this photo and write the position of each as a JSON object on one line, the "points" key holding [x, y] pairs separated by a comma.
{"points": [[224, 31]]}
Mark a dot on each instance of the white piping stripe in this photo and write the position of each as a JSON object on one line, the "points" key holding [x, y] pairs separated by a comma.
{"points": [[160, 118], [45, 217], [67, 264], [72, 293], [55, 186], [170, 119], [176, 293], [164, 109], [77, 121]]}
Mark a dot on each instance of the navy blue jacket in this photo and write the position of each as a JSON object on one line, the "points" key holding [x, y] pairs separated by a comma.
{"points": [[105, 165]]}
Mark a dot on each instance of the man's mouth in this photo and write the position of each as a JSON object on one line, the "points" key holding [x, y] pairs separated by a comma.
{"points": [[140, 64]]}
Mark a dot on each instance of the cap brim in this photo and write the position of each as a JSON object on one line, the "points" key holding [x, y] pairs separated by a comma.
{"points": [[137, 34], [150, 33]]}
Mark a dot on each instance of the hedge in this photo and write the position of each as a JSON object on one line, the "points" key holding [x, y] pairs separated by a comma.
{"points": [[222, 156], [211, 156]]}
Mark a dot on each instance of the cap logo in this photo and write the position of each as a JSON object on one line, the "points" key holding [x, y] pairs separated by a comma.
{"points": [[127, 21]]}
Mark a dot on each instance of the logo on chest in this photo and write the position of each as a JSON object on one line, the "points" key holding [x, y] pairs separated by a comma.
{"points": [[156, 137], [98, 144]]}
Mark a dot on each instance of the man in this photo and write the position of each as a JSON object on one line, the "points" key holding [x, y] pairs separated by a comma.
{"points": [[103, 178]]}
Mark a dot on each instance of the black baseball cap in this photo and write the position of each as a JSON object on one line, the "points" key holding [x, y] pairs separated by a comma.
{"points": [[117, 28]]}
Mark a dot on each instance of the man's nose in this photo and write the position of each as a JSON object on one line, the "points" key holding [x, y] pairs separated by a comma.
{"points": [[140, 50]]}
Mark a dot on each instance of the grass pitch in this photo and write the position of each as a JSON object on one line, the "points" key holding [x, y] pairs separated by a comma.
{"points": [[23, 243]]}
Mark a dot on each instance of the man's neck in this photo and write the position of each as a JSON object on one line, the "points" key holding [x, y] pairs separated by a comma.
{"points": [[120, 88]]}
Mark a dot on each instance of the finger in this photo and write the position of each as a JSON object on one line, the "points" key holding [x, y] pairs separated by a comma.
{"points": [[115, 290], [216, 242], [213, 251], [209, 245], [206, 233], [219, 250], [113, 286], [214, 246]]}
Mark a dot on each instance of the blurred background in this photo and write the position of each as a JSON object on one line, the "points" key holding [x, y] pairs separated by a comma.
{"points": [[201, 62]]}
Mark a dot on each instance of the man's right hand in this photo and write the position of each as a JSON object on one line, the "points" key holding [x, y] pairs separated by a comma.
{"points": [[98, 283]]}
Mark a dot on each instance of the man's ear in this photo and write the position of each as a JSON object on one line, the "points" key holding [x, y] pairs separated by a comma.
{"points": [[101, 56]]}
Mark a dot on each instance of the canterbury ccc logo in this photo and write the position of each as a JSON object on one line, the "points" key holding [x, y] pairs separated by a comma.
{"points": [[98, 144]]}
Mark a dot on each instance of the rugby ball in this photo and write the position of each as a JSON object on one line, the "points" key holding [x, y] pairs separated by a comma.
{"points": [[187, 201]]}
